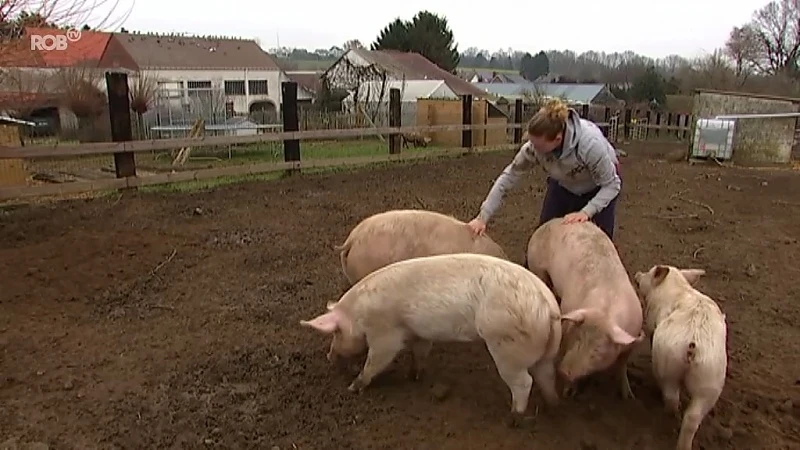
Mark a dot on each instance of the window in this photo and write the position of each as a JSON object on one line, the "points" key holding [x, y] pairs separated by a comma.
{"points": [[258, 87], [198, 88], [198, 84], [234, 87], [170, 89]]}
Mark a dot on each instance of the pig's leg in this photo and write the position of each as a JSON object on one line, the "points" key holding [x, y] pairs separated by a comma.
{"points": [[382, 351], [512, 364], [544, 373], [622, 373], [695, 412], [420, 349], [668, 373]]}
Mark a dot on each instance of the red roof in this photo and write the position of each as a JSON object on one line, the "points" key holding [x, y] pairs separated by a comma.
{"points": [[31, 100], [87, 50], [417, 67], [310, 81]]}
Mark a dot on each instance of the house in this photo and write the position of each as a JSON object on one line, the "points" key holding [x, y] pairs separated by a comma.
{"points": [[574, 94], [33, 85], [359, 65], [194, 70]]}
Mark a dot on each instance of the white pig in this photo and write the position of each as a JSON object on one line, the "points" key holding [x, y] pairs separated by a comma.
{"points": [[453, 297], [600, 307], [395, 235], [688, 334]]}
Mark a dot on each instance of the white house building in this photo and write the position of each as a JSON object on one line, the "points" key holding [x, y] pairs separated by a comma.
{"points": [[242, 76]]}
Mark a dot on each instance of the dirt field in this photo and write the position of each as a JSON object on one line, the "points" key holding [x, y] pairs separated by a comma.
{"points": [[166, 321]]}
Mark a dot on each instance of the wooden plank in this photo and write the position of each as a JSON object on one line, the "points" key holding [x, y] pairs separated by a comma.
{"points": [[19, 192], [102, 148]]}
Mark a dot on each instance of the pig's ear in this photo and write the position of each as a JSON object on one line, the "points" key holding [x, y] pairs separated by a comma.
{"points": [[326, 323], [692, 275], [620, 336], [659, 274], [577, 316]]}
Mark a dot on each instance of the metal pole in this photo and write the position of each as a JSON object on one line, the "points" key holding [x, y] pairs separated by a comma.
{"points": [[757, 116]]}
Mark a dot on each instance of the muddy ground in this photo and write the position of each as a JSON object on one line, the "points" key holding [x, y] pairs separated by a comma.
{"points": [[166, 321]]}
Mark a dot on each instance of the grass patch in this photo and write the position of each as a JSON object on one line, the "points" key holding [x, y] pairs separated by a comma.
{"points": [[207, 185]]}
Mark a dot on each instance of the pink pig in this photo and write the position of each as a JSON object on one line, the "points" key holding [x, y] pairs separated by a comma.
{"points": [[399, 234], [599, 303], [457, 298]]}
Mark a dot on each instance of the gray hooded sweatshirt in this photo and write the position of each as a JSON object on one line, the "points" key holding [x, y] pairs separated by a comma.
{"points": [[587, 160]]}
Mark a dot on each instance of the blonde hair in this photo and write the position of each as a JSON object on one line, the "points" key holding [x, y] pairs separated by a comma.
{"points": [[550, 120]]}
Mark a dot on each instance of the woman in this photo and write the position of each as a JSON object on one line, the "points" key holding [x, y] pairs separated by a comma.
{"points": [[582, 167]]}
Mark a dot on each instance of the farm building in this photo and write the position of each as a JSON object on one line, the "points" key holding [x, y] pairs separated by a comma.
{"points": [[577, 94], [373, 97], [767, 139], [358, 65], [172, 78], [491, 76], [309, 81], [202, 76], [49, 86]]}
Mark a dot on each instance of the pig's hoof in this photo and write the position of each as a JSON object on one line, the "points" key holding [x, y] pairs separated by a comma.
{"points": [[357, 386], [517, 420], [415, 374]]}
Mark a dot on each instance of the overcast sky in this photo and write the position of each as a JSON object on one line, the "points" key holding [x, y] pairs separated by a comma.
{"points": [[657, 29]]}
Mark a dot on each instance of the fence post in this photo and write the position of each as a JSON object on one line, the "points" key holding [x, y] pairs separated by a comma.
{"points": [[291, 122], [606, 114], [119, 111], [518, 120], [585, 111], [394, 120], [627, 125], [466, 119]]}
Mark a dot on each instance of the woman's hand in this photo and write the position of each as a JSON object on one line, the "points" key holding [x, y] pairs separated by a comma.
{"points": [[576, 217], [477, 226]]}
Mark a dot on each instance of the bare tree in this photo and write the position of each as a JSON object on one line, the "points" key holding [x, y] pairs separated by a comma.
{"points": [[770, 42], [742, 47], [353, 43], [143, 91], [81, 93], [24, 90]]}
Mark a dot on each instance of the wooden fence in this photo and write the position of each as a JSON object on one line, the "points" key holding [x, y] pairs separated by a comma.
{"points": [[124, 149]]}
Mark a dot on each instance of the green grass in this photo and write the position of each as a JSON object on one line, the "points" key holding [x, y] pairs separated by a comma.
{"points": [[206, 185]]}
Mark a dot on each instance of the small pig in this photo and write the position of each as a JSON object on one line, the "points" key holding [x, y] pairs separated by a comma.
{"points": [[600, 307], [452, 297], [395, 235], [688, 334]]}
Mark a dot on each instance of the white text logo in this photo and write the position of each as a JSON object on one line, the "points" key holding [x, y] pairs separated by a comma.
{"points": [[50, 42]]}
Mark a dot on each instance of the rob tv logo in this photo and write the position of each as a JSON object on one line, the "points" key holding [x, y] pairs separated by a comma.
{"points": [[50, 42]]}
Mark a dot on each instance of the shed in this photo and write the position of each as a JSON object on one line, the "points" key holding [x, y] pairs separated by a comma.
{"points": [[756, 140], [12, 171], [449, 111], [375, 94]]}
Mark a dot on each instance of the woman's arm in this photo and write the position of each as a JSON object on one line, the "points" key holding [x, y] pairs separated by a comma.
{"points": [[597, 157], [523, 161]]}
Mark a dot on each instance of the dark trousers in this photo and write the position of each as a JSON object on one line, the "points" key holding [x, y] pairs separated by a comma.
{"points": [[558, 202]]}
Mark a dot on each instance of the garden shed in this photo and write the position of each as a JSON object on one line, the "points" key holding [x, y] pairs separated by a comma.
{"points": [[766, 137]]}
